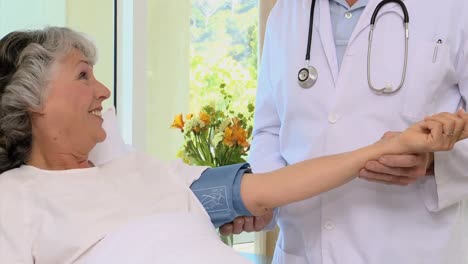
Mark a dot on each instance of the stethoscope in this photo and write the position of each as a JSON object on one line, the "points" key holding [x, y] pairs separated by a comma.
{"points": [[308, 75]]}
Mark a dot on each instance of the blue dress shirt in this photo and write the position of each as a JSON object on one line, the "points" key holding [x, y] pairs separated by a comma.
{"points": [[344, 20]]}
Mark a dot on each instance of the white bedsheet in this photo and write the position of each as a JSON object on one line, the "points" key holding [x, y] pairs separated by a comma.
{"points": [[164, 238]]}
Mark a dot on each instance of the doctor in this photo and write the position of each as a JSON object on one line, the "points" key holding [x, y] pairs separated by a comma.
{"points": [[418, 215]]}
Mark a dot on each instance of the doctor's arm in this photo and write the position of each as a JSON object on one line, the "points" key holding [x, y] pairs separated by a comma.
{"points": [[303, 180], [264, 154], [401, 169]]}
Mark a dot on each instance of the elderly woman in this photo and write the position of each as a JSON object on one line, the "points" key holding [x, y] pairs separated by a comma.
{"points": [[57, 207]]}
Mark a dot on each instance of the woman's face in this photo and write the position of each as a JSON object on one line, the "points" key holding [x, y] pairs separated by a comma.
{"points": [[73, 103]]}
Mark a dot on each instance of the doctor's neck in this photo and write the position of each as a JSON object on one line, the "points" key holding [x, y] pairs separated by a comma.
{"points": [[351, 2]]}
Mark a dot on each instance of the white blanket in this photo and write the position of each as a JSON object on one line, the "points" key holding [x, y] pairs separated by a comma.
{"points": [[164, 238]]}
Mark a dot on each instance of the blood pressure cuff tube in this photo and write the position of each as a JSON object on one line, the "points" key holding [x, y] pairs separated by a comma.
{"points": [[218, 190]]}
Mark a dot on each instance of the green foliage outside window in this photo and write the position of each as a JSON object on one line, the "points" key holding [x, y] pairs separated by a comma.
{"points": [[224, 47], [223, 52]]}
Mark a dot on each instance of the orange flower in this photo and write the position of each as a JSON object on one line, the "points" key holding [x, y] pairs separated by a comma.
{"points": [[228, 138], [188, 116], [241, 136], [178, 122], [205, 118], [235, 135]]}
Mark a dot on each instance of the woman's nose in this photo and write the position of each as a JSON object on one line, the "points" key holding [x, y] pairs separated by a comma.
{"points": [[102, 92]]}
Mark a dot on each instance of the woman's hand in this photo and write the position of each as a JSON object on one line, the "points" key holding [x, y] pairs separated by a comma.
{"points": [[438, 132]]}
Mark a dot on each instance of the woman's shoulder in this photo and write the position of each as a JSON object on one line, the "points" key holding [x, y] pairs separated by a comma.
{"points": [[14, 184], [155, 167], [134, 159], [15, 177]]}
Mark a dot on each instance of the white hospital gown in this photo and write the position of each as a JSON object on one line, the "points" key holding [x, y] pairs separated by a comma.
{"points": [[49, 217]]}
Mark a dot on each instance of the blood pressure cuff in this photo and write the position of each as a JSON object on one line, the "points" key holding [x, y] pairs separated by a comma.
{"points": [[218, 190]]}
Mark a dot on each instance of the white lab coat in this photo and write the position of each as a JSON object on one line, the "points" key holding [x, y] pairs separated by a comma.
{"points": [[364, 222]]}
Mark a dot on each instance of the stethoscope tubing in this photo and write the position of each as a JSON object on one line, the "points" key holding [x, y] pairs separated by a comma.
{"points": [[312, 72], [388, 89]]}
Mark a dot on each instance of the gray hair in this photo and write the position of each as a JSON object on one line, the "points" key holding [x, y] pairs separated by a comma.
{"points": [[25, 61]]}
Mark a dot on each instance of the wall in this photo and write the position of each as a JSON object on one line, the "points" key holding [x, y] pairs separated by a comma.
{"points": [[96, 19], [27, 14], [167, 73]]}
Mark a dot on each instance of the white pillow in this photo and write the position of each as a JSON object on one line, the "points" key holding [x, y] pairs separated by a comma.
{"points": [[113, 146]]}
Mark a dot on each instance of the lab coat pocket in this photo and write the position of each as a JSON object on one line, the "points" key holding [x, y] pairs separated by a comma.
{"points": [[430, 71]]}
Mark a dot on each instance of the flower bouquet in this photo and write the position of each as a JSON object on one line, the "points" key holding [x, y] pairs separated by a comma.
{"points": [[216, 136]]}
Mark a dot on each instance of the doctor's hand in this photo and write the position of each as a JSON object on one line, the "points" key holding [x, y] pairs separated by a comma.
{"points": [[246, 224], [447, 129], [398, 169]]}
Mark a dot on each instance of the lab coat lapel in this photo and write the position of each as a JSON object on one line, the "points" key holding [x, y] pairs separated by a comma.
{"points": [[364, 21], [326, 36]]}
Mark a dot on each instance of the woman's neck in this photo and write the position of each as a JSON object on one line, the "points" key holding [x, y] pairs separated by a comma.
{"points": [[54, 156], [63, 164]]}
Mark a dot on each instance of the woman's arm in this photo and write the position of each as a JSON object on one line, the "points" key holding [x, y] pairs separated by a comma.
{"points": [[261, 192]]}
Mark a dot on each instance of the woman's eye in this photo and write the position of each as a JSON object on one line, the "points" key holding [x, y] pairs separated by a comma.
{"points": [[83, 75]]}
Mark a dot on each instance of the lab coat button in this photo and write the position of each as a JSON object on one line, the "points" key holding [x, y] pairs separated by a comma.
{"points": [[348, 15], [329, 225], [333, 118]]}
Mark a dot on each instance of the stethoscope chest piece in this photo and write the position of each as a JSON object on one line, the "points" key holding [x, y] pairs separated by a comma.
{"points": [[307, 77]]}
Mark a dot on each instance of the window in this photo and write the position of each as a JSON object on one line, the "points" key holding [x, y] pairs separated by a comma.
{"points": [[223, 52]]}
